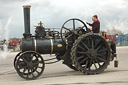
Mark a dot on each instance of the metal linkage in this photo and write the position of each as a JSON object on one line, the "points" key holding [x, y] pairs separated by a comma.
{"points": [[50, 60]]}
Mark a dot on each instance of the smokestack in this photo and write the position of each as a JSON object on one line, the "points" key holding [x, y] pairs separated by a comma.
{"points": [[27, 33]]}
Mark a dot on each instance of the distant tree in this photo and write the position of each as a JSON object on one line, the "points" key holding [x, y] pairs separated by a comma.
{"points": [[114, 31], [126, 33]]}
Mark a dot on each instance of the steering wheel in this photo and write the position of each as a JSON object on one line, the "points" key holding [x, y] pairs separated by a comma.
{"points": [[68, 35]]}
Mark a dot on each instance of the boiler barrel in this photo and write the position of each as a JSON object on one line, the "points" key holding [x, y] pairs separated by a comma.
{"points": [[44, 46]]}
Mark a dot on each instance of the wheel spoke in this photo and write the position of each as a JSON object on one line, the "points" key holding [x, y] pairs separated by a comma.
{"points": [[97, 62], [90, 64], [102, 50], [28, 72], [83, 60], [73, 24], [32, 57], [82, 52], [37, 71], [85, 45], [24, 70], [81, 47], [94, 64], [21, 62], [37, 62], [86, 64], [24, 60], [100, 55], [32, 73], [80, 28], [97, 43], [69, 36], [98, 47], [21, 67], [40, 67], [67, 29], [101, 59], [81, 57]]}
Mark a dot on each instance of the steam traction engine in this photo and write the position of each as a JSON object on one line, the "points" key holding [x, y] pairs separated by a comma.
{"points": [[79, 49]]}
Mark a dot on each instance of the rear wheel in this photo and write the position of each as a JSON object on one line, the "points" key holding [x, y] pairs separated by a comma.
{"points": [[91, 53]]}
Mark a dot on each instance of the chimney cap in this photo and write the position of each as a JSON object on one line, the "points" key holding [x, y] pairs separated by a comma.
{"points": [[26, 6]]}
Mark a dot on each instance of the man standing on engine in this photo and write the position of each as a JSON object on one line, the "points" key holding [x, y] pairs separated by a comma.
{"points": [[95, 25]]}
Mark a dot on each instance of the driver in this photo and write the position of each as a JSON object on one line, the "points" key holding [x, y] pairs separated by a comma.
{"points": [[95, 25]]}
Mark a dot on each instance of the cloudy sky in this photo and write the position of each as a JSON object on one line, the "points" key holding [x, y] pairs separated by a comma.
{"points": [[53, 13]]}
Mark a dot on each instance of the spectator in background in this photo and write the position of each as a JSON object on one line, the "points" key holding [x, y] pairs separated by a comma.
{"points": [[105, 35], [111, 43]]}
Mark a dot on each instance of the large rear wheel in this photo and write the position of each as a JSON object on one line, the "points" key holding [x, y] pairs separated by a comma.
{"points": [[91, 53]]}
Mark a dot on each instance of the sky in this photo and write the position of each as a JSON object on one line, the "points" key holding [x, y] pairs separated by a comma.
{"points": [[53, 13]]}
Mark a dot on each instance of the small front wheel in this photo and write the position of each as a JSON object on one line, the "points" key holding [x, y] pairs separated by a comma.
{"points": [[30, 65]]}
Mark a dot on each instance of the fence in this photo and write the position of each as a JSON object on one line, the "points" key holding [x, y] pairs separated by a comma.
{"points": [[122, 40]]}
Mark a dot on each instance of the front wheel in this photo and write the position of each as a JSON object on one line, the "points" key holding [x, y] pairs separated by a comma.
{"points": [[29, 65]]}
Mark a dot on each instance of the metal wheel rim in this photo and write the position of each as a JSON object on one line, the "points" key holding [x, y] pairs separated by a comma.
{"points": [[30, 75], [94, 61]]}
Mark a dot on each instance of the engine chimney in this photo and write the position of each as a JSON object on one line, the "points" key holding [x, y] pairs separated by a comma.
{"points": [[27, 33]]}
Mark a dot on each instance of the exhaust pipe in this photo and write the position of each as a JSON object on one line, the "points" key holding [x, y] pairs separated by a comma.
{"points": [[27, 33]]}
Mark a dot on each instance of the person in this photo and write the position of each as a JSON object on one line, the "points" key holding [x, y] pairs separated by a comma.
{"points": [[95, 25], [111, 43], [105, 35]]}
